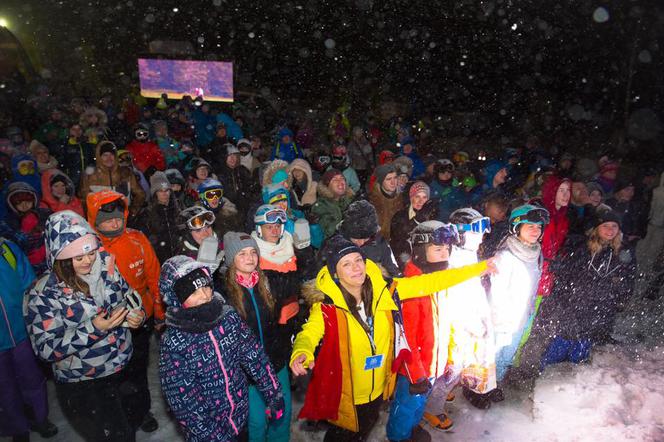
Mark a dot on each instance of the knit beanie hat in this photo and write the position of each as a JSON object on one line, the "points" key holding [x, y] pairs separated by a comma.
{"points": [[606, 215], [174, 176], [622, 183], [279, 176], [417, 187], [236, 241], [107, 146], [329, 176], [593, 186], [337, 247], [360, 220], [382, 171], [58, 178], [185, 286], [81, 246], [159, 181]]}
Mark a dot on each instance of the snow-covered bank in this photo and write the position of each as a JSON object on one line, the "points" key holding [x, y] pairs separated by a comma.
{"points": [[618, 396]]}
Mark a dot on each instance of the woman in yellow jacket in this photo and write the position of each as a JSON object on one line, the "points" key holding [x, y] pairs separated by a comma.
{"points": [[354, 312]]}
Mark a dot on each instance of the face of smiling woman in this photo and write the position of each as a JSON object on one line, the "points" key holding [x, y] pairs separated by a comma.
{"points": [[83, 264]]}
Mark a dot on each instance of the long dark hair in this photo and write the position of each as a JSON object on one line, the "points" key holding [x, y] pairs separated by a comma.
{"points": [[64, 270], [235, 292], [367, 299]]}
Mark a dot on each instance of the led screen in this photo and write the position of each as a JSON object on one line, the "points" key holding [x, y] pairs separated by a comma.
{"points": [[211, 79]]}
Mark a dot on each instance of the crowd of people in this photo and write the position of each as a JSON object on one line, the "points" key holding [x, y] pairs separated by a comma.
{"points": [[376, 269]]}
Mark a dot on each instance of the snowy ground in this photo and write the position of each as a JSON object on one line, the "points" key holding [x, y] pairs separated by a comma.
{"points": [[619, 395]]}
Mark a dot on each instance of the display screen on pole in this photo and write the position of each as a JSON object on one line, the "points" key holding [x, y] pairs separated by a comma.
{"points": [[213, 80]]}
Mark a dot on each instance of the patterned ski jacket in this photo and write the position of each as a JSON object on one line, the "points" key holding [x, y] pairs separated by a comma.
{"points": [[59, 318]]}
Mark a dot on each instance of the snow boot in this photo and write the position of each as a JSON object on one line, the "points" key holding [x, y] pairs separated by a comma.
{"points": [[477, 400], [45, 429], [149, 423], [496, 395], [440, 422]]}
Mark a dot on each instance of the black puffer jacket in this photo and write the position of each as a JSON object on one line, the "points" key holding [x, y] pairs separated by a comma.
{"points": [[164, 234], [589, 292]]}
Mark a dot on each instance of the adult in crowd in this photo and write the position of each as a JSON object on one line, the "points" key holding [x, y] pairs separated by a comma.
{"points": [[405, 220], [42, 156], [239, 187], [23, 397], [163, 211], [75, 155], [199, 172], [341, 161], [449, 196], [59, 193], [592, 284], [139, 266], [208, 356], [196, 224], [353, 307], [361, 153], [108, 174], [79, 321], [385, 197], [334, 196], [285, 147], [148, 158], [211, 196], [360, 226], [303, 191]]}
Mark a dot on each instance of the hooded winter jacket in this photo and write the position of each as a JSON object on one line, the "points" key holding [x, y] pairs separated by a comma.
{"points": [[307, 196], [333, 395], [554, 233], [16, 276], [287, 152], [206, 355], [59, 318], [133, 254], [33, 179], [115, 178], [53, 204], [75, 156]]}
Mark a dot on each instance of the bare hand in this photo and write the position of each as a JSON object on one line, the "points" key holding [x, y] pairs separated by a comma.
{"points": [[135, 318], [116, 318], [298, 368], [65, 199], [491, 266]]}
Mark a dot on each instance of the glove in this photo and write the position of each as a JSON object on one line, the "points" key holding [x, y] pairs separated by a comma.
{"points": [[276, 410], [421, 387]]}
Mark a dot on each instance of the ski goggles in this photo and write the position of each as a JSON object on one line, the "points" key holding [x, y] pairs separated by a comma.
{"points": [[201, 220], [113, 206], [482, 225], [537, 216], [141, 133], [444, 235], [275, 216], [212, 194]]}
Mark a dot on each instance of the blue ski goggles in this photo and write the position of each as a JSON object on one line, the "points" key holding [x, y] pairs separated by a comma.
{"points": [[274, 216], [482, 225]]}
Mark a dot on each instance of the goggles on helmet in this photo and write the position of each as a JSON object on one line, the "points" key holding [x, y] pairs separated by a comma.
{"points": [[115, 205], [212, 194], [444, 235], [482, 225], [274, 216], [537, 216], [201, 220]]}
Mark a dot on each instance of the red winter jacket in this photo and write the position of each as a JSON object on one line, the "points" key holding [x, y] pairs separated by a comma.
{"points": [[555, 232], [146, 155]]}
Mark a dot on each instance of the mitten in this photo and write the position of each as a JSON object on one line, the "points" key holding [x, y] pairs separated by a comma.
{"points": [[276, 409]]}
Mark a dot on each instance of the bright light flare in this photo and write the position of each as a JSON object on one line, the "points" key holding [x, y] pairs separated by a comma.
{"points": [[4, 23]]}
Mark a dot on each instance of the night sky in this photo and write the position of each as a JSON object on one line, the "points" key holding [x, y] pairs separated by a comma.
{"points": [[503, 58]]}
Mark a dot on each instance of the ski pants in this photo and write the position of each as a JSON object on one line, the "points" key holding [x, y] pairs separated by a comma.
{"points": [[261, 429]]}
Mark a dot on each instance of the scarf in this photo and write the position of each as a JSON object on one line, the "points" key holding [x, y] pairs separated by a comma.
{"points": [[95, 282], [279, 253], [521, 250], [247, 282], [199, 319]]}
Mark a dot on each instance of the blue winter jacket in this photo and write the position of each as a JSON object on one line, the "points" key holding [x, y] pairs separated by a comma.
{"points": [[287, 152], [14, 280], [233, 130]]}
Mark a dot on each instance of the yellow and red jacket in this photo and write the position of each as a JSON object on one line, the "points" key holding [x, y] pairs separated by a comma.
{"points": [[346, 345], [134, 255]]}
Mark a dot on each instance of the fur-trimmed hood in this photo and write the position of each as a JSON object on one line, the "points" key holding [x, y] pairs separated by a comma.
{"points": [[314, 290], [324, 191], [272, 168]]}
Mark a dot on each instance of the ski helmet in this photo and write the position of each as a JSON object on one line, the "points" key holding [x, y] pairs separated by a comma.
{"points": [[528, 214], [269, 214]]}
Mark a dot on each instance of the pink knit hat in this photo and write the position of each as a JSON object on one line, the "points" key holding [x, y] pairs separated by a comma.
{"points": [[81, 246], [417, 187]]}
